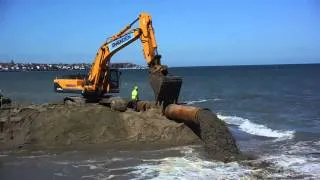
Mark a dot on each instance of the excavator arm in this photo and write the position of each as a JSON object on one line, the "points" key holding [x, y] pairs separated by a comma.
{"points": [[166, 87]]}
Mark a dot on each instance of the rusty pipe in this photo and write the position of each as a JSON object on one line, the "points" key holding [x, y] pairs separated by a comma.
{"points": [[185, 114]]}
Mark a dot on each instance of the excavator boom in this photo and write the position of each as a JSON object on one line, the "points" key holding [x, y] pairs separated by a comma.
{"points": [[99, 80]]}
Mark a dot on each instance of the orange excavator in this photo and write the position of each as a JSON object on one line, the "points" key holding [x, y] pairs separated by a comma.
{"points": [[102, 80]]}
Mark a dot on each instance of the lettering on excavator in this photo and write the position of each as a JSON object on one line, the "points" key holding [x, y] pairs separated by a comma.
{"points": [[119, 42]]}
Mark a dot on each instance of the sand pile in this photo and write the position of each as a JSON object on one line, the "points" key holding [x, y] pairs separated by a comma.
{"points": [[217, 138], [55, 126], [47, 126]]}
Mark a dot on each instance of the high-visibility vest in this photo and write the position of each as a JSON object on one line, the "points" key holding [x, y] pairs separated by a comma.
{"points": [[134, 95]]}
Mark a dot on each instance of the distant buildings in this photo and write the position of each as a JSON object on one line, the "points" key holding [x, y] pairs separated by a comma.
{"points": [[58, 67]]}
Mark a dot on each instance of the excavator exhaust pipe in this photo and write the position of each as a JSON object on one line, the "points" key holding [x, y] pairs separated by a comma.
{"points": [[166, 88]]}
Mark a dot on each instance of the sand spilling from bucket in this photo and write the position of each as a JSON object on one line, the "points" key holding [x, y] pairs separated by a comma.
{"points": [[217, 138]]}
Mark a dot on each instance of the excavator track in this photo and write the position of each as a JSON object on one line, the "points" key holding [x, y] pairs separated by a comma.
{"points": [[74, 100], [115, 103]]}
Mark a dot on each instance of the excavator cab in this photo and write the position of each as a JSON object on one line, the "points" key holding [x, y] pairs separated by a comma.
{"points": [[114, 80], [74, 83]]}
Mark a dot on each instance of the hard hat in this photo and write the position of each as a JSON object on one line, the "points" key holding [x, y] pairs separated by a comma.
{"points": [[136, 87]]}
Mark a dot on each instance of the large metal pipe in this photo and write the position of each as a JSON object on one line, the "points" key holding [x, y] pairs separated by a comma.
{"points": [[180, 113], [185, 114]]}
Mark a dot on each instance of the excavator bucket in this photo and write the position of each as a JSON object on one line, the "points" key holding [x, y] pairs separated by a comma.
{"points": [[166, 88]]}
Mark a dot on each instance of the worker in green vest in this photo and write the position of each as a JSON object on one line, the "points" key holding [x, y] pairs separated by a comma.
{"points": [[135, 97]]}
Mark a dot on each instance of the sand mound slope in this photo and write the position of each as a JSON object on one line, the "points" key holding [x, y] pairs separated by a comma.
{"points": [[60, 125]]}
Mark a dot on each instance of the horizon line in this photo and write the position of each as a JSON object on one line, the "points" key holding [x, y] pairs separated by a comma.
{"points": [[266, 64], [280, 64]]}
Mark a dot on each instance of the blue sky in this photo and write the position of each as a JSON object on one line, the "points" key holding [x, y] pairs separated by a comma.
{"points": [[188, 33]]}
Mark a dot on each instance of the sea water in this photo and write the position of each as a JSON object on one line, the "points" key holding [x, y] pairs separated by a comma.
{"points": [[273, 112]]}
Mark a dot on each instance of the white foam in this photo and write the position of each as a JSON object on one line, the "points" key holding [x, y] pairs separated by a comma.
{"points": [[116, 159], [58, 174], [88, 176], [289, 161], [196, 101], [190, 166], [303, 147], [201, 101], [39, 156], [257, 129], [297, 164], [62, 162], [90, 166], [111, 176]]}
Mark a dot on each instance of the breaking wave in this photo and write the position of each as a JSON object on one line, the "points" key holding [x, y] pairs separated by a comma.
{"points": [[257, 129]]}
